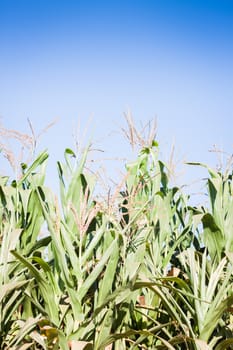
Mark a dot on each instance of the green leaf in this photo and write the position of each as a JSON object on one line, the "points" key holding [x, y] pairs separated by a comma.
{"points": [[70, 152], [47, 290], [39, 161], [105, 287], [213, 236], [9, 287], [97, 270]]}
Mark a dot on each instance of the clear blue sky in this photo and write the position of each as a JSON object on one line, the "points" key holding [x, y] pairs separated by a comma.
{"points": [[169, 59]]}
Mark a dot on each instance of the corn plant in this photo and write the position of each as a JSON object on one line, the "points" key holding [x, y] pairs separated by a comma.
{"points": [[21, 222], [140, 270]]}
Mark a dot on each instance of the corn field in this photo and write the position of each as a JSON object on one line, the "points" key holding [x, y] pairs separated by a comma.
{"points": [[142, 269]]}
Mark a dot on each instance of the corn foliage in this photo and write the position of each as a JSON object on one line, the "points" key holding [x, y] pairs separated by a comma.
{"points": [[141, 270]]}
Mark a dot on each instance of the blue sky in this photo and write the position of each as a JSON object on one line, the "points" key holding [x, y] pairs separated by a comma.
{"points": [[77, 60]]}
